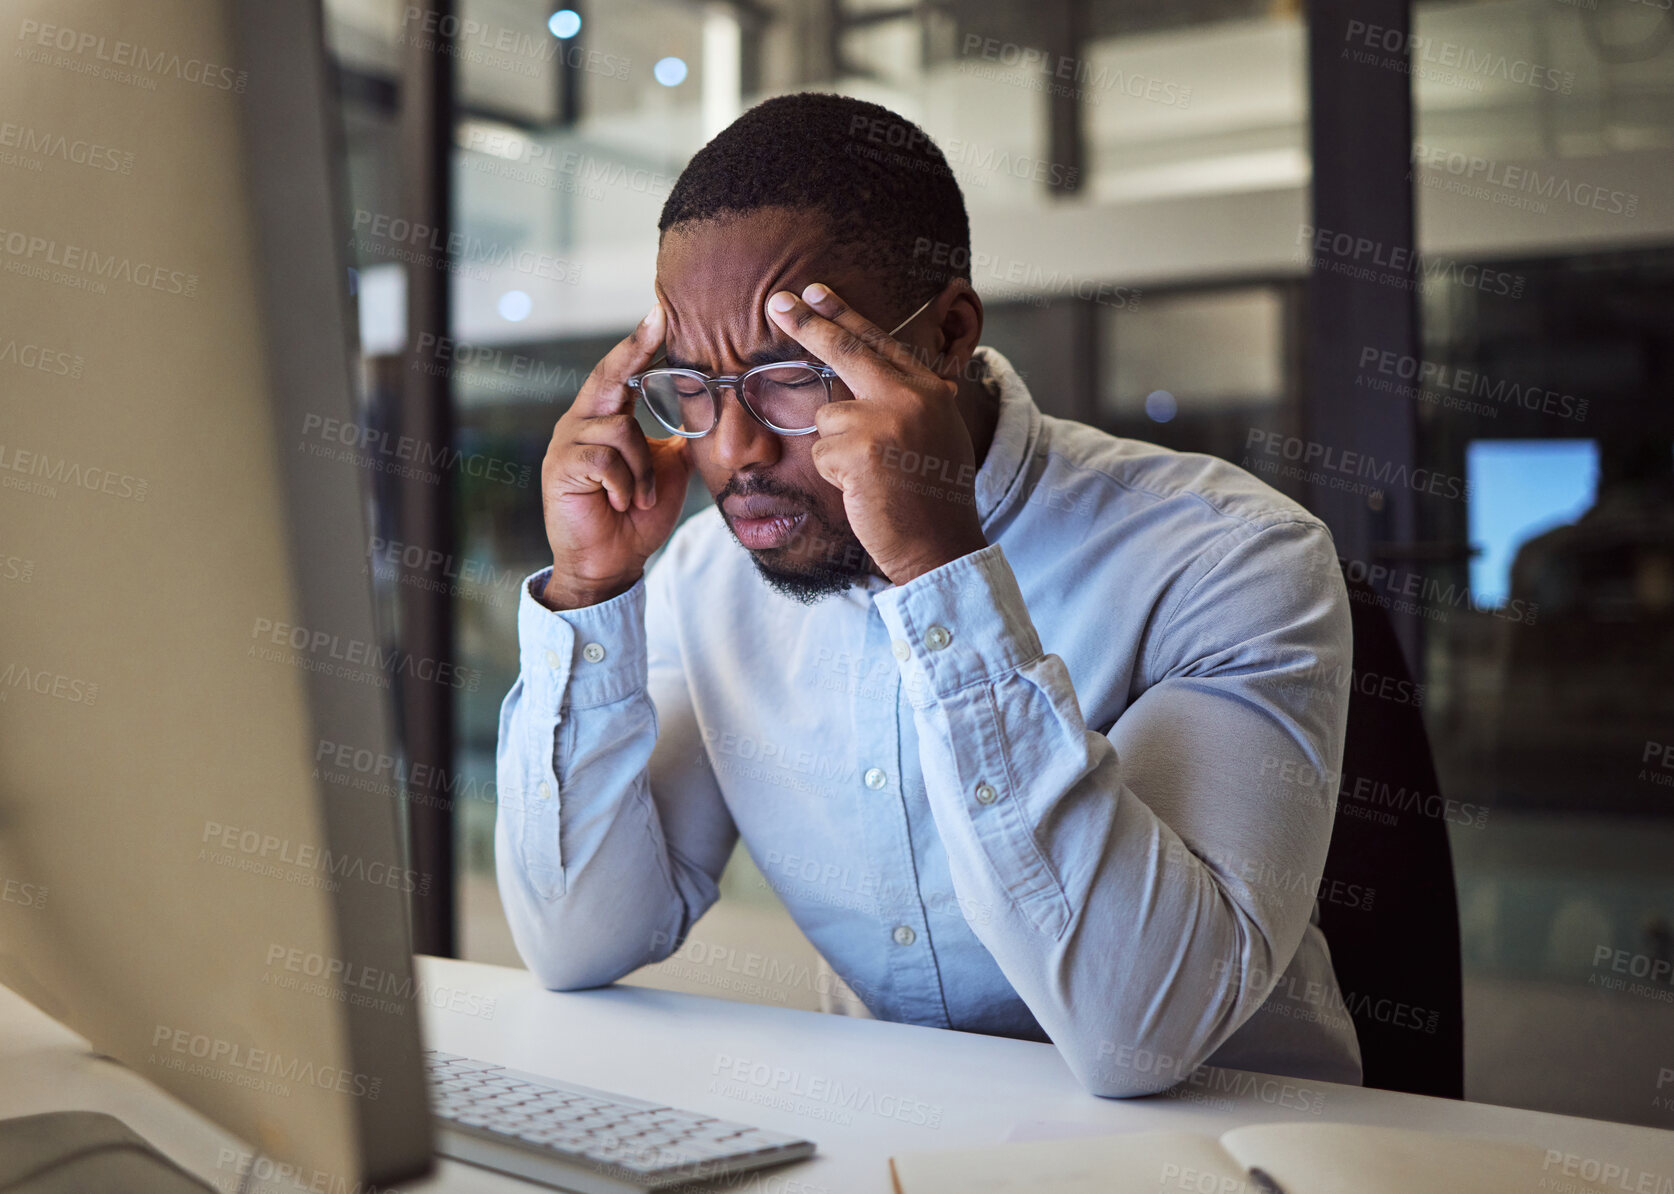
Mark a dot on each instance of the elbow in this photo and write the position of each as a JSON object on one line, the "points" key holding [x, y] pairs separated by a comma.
{"points": [[1118, 1070]]}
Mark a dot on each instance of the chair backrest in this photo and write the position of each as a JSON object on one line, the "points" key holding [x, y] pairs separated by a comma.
{"points": [[1397, 953]]}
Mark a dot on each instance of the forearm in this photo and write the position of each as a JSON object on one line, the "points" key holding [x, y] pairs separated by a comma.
{"points": [[591, 886], [1120, 936]]}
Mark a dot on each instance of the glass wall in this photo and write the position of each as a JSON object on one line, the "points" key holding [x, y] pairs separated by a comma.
{"points": [[1138, 176]]}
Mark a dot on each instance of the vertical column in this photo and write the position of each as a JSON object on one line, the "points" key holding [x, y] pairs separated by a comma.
{"points": [[1362, 293], [426, 506]]}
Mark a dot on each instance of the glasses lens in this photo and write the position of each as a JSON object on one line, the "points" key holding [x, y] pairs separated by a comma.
{"points": [[679, 399], [786, 395]]}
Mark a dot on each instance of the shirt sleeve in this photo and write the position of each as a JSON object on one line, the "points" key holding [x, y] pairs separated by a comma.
{"points": [[1153, 878], [611, 835]]}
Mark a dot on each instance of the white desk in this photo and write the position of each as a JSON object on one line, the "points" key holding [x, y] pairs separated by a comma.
{"points": [[676, 1048]]}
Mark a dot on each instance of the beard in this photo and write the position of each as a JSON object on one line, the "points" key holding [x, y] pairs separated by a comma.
{"points": [[834, 559]]}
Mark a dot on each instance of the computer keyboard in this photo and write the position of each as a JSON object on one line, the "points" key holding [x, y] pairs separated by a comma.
{"points": [[588, 1141]]}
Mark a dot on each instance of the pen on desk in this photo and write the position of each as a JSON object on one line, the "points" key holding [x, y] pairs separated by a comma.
{"points": [[1264, 1182]]}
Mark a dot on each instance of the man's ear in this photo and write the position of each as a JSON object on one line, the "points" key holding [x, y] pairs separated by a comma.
{"points": [[960, 328]]}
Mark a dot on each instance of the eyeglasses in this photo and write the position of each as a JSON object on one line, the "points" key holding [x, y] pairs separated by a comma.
{"points": [[782, 396]]}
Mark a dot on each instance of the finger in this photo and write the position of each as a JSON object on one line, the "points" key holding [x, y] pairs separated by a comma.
{"points": [[598, 466], [830, 305], [622, 432], [673, 463], [861, 368], [606, 391]]}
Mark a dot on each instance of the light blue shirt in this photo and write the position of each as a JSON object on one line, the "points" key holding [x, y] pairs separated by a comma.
{"points": [[1077, 785]]}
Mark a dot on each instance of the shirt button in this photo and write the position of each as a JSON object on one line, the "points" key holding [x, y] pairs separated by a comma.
{"points": [[545, 790], [552, 660], [937, 637], [986, 794], [593, 652], [875, 779], [901, 650], [904, 935]]}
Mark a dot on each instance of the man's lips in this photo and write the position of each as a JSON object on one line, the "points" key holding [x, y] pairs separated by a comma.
{"points": [[762, 523]]}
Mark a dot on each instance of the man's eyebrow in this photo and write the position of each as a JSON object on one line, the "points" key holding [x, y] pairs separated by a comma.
{"points": [[762, 356]]}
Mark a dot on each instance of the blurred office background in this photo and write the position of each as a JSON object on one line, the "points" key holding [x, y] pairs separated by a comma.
{"points": [[1143, 241]]}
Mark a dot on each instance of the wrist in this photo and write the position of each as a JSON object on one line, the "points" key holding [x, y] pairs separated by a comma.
{"points": [[565, 593]]}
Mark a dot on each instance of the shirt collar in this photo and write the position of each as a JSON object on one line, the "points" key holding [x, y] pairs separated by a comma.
{"points": [[1015, 432]]}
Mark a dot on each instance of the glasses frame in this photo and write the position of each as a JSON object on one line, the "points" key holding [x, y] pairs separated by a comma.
{"points": [[736, 382]]}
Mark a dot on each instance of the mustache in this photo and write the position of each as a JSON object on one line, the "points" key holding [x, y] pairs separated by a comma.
{"points": [[766, 487]]}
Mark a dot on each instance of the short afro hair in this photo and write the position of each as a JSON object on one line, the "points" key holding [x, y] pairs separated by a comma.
{"points": [[890, 200]]}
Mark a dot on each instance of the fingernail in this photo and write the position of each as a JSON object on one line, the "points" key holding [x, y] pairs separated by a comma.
{"points": [[783, 301], [815, 293], [652, 313]]}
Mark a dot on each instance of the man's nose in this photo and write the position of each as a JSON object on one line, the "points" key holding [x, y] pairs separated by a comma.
{"points": [[739, 439]]}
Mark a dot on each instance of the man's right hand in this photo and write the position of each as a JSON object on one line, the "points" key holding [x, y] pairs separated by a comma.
{"points": [[610, 496]]}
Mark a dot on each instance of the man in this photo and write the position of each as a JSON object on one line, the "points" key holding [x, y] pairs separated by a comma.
{"points": [[1025, 725]]}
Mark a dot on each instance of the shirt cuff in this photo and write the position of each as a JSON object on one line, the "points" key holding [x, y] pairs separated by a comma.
{"points": [[961, 624], [581, 657]]}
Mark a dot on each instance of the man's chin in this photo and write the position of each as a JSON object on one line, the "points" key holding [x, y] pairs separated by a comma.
{"points": [[804, 582]]}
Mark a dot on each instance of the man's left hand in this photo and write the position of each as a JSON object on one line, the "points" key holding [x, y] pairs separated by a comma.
{"points": [[900, 452]]}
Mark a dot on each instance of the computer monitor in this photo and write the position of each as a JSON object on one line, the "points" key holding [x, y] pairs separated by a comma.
{"points": [[185, 614]]}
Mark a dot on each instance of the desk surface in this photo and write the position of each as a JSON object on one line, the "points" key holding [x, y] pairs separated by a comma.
{"points": [[861, 1089]]}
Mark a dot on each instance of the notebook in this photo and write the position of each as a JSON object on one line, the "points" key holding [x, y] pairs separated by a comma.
{"points": [[1310, 1158]]}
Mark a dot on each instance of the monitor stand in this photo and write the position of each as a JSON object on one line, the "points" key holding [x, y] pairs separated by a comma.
{"points": [[74, 1152]]}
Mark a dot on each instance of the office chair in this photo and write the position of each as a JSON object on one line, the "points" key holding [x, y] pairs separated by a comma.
{"points": [[1398, 961]]}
